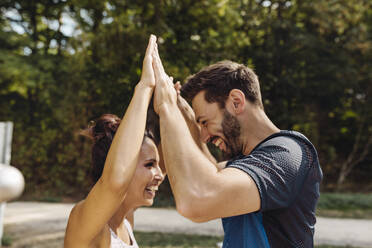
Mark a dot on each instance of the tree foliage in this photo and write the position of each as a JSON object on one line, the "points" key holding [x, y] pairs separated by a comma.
{"points": [[65, 62]]}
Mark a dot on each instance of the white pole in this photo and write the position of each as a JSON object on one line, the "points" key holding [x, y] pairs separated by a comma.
{"points": [[6, 134], [2, 208]]}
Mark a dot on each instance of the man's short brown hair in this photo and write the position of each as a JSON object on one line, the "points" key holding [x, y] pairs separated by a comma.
{"points": [[219, 79]]}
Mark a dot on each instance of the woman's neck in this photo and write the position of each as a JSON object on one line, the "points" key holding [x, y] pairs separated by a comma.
{"points": [[117, 220]]}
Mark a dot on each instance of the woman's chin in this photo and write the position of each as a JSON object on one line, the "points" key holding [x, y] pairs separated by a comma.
{"points": [[148, 198], [148, 202]]}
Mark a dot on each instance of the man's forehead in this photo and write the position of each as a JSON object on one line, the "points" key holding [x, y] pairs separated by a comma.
{"points": [[202, 108], [198, 103], [198, 100]]}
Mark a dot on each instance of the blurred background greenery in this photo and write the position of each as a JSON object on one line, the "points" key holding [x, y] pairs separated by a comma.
{"points": [[66, 62]]}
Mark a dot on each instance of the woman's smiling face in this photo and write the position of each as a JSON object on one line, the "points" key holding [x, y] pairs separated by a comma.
{"points": [[147, 177]]}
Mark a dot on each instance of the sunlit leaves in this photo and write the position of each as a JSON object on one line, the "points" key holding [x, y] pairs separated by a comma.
{"points": [[66, 62]]}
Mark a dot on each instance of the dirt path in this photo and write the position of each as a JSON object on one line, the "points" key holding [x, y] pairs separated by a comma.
{"points": [[42, 225]]}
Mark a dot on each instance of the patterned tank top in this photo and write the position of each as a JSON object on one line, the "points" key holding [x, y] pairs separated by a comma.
{"points": [[116, 242]]}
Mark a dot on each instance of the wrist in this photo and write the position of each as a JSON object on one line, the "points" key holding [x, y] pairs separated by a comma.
{"points": [[141, 86], [166, 109]]}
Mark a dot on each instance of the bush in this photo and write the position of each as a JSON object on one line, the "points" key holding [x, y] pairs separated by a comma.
{"points": [[338, 201]]}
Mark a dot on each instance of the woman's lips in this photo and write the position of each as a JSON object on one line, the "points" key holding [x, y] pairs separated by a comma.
{"points": [[151, 190]]}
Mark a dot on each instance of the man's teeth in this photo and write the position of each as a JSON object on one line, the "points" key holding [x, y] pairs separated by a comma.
{"points": [[218, 142]]}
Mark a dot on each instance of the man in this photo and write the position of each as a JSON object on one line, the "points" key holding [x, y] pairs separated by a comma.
{"points": [[266, 194]]}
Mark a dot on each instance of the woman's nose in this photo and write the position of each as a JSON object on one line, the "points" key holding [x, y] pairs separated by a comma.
{"points": [[159, 174]]}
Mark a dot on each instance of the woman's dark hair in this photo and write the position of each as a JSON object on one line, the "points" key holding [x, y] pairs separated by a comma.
{"points": [[102, 132]]}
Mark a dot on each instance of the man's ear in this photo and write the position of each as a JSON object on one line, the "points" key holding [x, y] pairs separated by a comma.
{"points": [[236, 101]]}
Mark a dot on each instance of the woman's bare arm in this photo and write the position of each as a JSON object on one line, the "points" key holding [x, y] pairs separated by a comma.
{"points": [[88, 218]]}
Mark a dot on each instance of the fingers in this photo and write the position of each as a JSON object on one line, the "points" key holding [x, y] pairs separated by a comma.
{"points": [[160, 76], [157, 57], [157, 71], [151, 45], [185, 108], [147, 75], [149, 51]]}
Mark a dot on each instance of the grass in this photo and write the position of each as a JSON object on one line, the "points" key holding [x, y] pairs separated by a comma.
{"points": [[6, 240], [345, 205], [171, 240]]}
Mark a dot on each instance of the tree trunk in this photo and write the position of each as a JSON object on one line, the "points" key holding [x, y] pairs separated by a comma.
{"points": [[354, 158]]}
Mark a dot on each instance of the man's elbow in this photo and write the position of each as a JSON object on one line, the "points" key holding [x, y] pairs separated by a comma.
{"points": [[192, 211]]}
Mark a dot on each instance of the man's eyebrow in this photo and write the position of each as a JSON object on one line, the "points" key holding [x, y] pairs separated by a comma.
{"points": [[150, 160]]}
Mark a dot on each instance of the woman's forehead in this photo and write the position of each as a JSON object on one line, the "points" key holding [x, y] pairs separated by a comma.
{"points": [[149, 148]]}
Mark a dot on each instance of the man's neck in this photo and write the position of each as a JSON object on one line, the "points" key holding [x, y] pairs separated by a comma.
{"points": [[256, 127]]}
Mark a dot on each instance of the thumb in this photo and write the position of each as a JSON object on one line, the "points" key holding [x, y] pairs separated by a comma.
{"points": [[177, 86]]}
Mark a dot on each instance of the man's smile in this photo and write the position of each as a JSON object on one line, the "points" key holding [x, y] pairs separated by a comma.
{"points": [[218, 142]]}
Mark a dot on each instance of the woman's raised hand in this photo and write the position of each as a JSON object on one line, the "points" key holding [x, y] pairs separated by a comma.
{"points": [[148, 76]]}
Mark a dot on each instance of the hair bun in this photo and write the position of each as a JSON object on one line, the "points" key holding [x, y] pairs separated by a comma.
{"points": [[104, 127]]}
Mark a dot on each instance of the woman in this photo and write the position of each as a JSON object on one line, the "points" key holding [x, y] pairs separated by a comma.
{"points": [[130, 177]]}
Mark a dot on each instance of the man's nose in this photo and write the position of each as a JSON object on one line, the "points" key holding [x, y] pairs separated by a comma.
{"points": [[204, 135]]}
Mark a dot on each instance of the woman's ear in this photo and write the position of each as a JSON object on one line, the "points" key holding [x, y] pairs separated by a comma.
{"points": [[236, 100]]}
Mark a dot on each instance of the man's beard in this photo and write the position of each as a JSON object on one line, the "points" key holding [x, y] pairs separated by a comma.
{"points": [[231, 131]]}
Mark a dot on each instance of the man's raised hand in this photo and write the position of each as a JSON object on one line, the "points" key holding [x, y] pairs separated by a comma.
{"points": [[165, 92]]}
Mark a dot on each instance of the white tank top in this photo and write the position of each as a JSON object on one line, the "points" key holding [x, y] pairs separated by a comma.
{"points": [[116, 242]]}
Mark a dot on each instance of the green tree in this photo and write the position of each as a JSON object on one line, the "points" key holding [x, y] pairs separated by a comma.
{"points": [[313, 59]]}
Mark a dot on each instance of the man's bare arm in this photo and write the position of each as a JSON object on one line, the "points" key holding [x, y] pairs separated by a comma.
{"points": [[201, 191], [194, 128]]}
